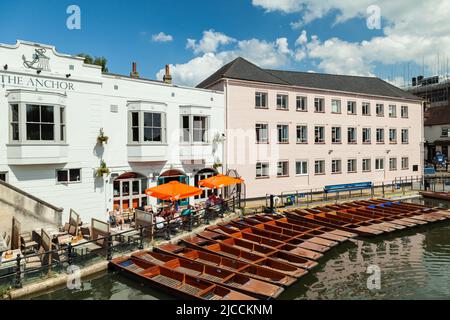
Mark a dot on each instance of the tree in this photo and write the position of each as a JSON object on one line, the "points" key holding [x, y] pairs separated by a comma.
{"points": [[99, 61]]}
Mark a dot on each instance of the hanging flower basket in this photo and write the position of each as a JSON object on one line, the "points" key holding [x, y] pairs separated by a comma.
{"points": [[102, 138], [217, 165], [103, 170]]}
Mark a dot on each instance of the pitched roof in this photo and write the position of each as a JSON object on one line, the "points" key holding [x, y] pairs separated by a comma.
{"points": [[244, 70], [437, 115]]}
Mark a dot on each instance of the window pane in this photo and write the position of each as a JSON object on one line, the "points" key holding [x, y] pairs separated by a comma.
{"points": [[135, 119], [75, 175], [62, 115], [62, 176], [15, 113], [157, 120], [47, 132], [148, 134], [33, 132], [63, 132], [15, 131], [135, 134], [157, 135], [47, 114], [148, 119], [33, 114]]}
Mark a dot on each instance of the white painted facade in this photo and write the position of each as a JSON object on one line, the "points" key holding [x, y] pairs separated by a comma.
{"points": [[91, 101]]}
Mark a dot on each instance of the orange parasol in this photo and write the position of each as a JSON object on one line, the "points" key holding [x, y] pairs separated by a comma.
{"points": [[219, 181], [173, 191]]}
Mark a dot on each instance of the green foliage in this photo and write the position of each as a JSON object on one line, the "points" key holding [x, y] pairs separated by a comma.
{"points": [[98, 61]]}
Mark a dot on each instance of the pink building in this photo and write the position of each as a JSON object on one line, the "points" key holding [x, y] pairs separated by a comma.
{"points": [[290, 131]]}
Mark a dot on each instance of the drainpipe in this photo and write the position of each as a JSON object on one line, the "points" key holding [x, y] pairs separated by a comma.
{"points": [[225, 145]]}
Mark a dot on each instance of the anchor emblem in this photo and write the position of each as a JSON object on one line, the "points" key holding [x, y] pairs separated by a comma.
{"points": [[40, 61]]}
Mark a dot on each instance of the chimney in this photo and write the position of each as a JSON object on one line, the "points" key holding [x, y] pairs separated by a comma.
{"points": [[167, 77], [134, 73]]}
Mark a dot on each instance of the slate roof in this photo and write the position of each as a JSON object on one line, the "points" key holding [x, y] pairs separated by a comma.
{"points": [[244, 70]]}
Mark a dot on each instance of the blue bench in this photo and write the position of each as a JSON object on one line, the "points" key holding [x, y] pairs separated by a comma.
{"points": [[430, 171], [347, 187]]}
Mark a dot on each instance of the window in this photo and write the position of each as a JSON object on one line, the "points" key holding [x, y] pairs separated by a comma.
{"points": [[351, 166], [283, 169], [302, 134], [319, 134], [336, 106], [62, 118], [379, 164], [282, 102], [405, 163], [152, 127], [380, 135], [4, 176], [302, 103], [283, 133], [366, 165], [445, 132], [404, 112], [336, 166], [319, 167], [40, 125], [261, 100], [351, 135], [195, 129], [393, 111], [405, 136], [366, 135], [366, 109], [68, 176], [135, 132], [380, 110], [15, 122], [262, 169], [336, 135], [393, 136], [392, 164], [301, 168], [262, 133], [319, 105], [351, 107]]}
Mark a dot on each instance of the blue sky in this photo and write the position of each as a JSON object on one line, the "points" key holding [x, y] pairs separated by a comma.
{"points": [[122, 32]]}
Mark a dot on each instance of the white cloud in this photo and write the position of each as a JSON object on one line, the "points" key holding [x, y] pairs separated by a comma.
{"points": [[287, 6], [263, 53], [210, 42], [162, 37], [302, 39]]}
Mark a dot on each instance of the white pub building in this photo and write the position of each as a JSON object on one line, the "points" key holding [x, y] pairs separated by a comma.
{"points": [[64, 125]]}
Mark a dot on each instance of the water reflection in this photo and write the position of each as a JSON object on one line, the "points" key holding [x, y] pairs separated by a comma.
{"points": [[415, 264]]}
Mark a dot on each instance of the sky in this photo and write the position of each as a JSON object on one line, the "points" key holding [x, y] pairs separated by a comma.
{"points": [[393, 40]]}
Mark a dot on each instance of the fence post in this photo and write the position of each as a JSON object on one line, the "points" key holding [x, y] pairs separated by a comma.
{"points": [[109, 248], [69, 254], [18, 282], [167, 231], [141, 238], [382, 188]]}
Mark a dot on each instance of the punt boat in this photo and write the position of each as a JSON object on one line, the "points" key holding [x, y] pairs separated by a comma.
{"points": [[249, 235], [263, 250], [333, 222], [222, 249], [435, 195], [173, 282], [421, 210], [253, 271], [252, 287]]}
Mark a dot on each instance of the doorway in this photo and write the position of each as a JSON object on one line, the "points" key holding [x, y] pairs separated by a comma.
{"points": [[129, 191]]}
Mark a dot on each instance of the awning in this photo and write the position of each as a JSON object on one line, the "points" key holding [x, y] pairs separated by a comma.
{"points": [[173, 191]]}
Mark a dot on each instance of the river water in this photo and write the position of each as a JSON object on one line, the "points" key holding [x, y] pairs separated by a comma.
{"points": [[413, 264]]}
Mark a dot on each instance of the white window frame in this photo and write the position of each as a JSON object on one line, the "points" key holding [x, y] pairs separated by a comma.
{"points": [[335, 137], [283, 133], [407, 136], [261, 94], [303, 102], [383, 131], [306, 133], [282, 101], [379, 109], [68, 176], [366, 161], [319, 105], [403, 108], [354, 139], [351, 107], [364, 105], [304, 168], [336, 103], [378, 162], [368, 132], [141, 128], [392, 107], [264, 167], [354, 164], [265, 139], [393, 164], [322, 166], [403, 163], [317, 131], [336, 166], [284, 165], [395, 137]]}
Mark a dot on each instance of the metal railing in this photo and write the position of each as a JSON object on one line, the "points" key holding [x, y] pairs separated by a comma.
{"points": [[104, 248]]}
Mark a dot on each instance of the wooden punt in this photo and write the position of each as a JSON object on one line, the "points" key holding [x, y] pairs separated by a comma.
{"points": [[320, 218], [249, 235], [253, 271], [297, 243], [306, 241], [263, 250], [252, 287], [316, 236], [222, 249], [173, 282], [435, 195]]}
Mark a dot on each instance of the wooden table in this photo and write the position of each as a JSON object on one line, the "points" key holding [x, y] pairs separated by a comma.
{"points": [[8, 264], [3, 246], [83, 247]]}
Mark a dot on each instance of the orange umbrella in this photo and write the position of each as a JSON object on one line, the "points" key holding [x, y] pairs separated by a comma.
{"points": [[173, 191], [219, 181]]}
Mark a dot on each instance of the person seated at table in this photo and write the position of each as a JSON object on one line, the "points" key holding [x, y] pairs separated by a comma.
{"points": [[117, 217], [160, 222], [223, 204], [148, 209]]}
